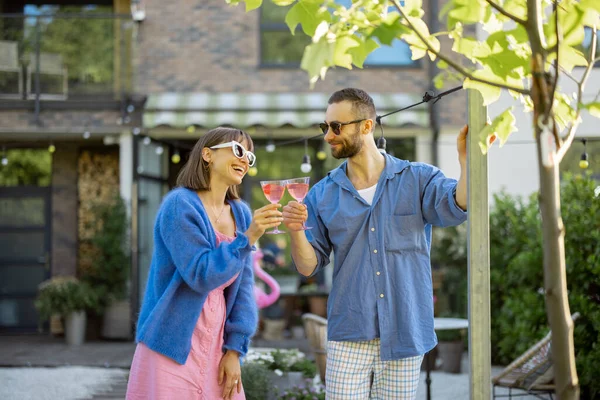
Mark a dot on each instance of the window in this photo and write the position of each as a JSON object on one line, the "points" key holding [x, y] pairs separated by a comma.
{"points": [[280, 48]]}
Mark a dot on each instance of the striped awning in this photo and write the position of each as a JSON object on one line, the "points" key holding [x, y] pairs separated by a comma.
{"points": [[271, 110]]}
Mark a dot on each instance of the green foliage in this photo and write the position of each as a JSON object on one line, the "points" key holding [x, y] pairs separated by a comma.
{"points": [[282, 360], [344, 37], [518, 309], [27, 167], [255, 378], [306, 366], [63, 295], [449, 253], [85, 44], [304, 393], [110, 271]]}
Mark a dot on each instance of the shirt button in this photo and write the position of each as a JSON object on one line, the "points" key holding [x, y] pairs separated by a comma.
{"points": [[372, 229], [212, 309], [208, 329], [375, 251], [378, 273], [199, 391], [381, 295]]}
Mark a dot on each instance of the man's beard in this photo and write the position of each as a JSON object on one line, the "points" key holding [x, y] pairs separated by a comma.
{"points": [[350, 149]]}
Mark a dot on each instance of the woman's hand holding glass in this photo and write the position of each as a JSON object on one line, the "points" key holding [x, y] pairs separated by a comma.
{"points": [[294, 216], [264, 218]]}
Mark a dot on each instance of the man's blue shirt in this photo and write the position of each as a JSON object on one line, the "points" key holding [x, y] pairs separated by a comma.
{"points": [[382, 272]]}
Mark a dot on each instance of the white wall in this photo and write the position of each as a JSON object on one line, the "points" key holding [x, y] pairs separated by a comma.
{"points": [[513, 168]]}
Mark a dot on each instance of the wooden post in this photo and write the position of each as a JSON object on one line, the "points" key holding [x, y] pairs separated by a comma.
{"points": [[478, 253]]}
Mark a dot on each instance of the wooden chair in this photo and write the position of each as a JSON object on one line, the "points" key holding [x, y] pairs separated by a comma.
{"points": [[315, 328], [531, 373]]}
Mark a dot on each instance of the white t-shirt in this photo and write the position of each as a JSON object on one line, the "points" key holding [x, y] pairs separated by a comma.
{"points": [[368, 194]]}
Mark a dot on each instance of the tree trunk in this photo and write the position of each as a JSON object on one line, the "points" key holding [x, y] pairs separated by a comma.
{"points": [[555, 283]]}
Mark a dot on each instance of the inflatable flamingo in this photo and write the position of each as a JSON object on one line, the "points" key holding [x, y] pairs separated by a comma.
{"points": [[262, 299]]}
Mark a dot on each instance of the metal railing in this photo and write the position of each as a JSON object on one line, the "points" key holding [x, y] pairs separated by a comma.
{"points": [[66, 56]]}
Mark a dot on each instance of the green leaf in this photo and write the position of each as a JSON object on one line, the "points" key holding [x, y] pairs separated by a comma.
{"points": [[389, 30], [593, 108], [590, 4], [360, 52], [414, 8], [562, 109], [317, 58], [467, 11], [341, 56], [308, 14], [569, 57], [282, 3], [490, 93], [502, 126], [252, 4]]}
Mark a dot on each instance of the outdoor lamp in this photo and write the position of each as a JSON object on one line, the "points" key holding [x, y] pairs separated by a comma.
{"points": [[306, 167]]}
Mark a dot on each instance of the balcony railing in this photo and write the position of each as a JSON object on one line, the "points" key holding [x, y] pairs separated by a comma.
{"points": [[66, 56]]}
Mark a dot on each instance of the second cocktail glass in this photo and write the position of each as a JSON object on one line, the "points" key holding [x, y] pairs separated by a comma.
{"points": [[298, 188], [273, 190]]}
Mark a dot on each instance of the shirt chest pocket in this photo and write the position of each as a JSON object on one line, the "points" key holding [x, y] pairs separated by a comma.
{"points": [[404, 232]]}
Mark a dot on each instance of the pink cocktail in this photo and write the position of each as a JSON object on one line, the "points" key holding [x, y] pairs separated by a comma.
{"points": [[273, 191], [298, 188]]}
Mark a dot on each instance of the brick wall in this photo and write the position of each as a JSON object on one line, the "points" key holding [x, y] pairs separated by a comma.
{"points": [[208, 46], [56, 120]]}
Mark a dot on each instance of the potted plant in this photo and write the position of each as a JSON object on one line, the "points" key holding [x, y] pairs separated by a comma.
{"points": [[70, 298], [109, 269], [450, 349], [317, 301]]}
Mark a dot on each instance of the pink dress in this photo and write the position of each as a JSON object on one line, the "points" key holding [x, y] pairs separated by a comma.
{"points": [[157, 377]]}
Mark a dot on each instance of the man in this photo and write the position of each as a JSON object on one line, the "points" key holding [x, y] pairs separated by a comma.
{"points": [[375, 213]]}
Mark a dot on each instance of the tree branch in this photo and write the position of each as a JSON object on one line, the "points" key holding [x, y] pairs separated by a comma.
{"points": [[556, 74], [506, 13], [580, 85], [451, 63]]}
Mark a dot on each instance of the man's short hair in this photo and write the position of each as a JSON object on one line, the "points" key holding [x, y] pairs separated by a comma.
{"points": [[362, 103]]}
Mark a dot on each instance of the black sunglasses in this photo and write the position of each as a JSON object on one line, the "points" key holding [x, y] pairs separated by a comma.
{"points": [[337, 126]]}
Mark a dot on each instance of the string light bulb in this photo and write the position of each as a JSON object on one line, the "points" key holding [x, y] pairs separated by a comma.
{"points": [[270, 147], [86, 135], [51, 148], [159, 150], [252, 171], [147, 140], [583, 162], [321, 154], [4, 158], [305, 166], [191, 129], [176, 157], [381, 144], [136, 131]]}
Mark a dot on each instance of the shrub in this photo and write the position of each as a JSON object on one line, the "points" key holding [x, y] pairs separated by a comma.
{"points": [[255, 378], [518, 308]]}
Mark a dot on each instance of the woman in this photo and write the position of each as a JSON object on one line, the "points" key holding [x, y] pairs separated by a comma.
{"points": [[199, 310]]}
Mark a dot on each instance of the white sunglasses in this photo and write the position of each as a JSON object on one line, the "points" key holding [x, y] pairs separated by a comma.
{"points": [[238, 150]]}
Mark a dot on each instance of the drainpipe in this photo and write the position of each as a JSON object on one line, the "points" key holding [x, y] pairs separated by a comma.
{"points": [[432, 71]]}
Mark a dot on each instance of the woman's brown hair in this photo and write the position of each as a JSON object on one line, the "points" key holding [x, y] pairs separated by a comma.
{"points": [[195, 174]]}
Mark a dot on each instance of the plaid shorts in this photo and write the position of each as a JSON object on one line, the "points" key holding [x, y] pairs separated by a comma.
{"points": [[355, 371]]}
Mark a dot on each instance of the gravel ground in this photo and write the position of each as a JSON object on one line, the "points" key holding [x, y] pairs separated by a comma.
{"points": [[61, 383]]}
